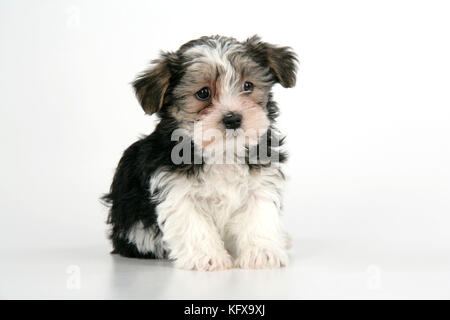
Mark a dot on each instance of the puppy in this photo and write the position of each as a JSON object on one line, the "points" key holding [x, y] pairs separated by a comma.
{"points": [[204, 189]]}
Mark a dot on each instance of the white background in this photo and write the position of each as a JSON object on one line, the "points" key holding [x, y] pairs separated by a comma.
{"points": [[368, 199]]}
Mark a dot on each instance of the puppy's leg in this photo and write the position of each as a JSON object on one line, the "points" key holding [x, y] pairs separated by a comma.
{"points": [[192, 237], [259, 237]]}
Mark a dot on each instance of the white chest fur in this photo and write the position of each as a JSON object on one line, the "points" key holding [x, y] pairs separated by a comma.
{"points": [[218, 190]]}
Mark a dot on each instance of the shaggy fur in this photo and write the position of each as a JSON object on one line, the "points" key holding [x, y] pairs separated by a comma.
{"points": [[204, 214]]}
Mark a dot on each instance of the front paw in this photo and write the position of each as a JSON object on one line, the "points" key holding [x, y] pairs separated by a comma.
{"points": [[262, 258], [205, 262]]}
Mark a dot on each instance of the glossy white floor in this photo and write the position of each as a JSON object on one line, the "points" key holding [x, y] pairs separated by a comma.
{"points": [[320, 269]]}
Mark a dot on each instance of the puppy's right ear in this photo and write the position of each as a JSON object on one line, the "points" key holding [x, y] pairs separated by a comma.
{"points": [[151, 86]]}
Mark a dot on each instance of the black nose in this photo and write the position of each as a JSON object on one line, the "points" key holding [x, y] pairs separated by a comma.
{"points": [[232, 121]]}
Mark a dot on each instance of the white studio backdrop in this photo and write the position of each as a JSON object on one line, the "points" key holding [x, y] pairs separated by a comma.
{"points": [[367, 125]]}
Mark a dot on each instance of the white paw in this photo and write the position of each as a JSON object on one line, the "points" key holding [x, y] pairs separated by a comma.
{"points": [[262, 258], [204, 262]]}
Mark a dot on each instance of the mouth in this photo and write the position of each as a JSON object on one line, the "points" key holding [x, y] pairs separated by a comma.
{"points": [[233, 133]]}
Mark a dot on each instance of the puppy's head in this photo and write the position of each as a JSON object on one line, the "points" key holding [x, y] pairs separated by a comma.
{"points": [[218, 86]]}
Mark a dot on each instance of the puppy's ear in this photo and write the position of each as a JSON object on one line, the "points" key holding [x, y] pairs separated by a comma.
{"points": [[282, 61], [151, 86]]}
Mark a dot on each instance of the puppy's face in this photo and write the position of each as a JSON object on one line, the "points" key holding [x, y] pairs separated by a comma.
{"points": [[217, 87]]}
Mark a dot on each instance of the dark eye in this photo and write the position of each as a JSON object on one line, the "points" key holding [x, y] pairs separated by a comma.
{"points": [[203, 94], [248, 86]]}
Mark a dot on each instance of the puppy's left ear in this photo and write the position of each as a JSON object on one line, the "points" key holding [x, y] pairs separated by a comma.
{"points": [[151, 86], [282, 61]]}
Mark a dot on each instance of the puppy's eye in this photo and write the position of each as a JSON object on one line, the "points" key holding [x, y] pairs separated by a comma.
{"points": [[248, 86], [203, 94]]}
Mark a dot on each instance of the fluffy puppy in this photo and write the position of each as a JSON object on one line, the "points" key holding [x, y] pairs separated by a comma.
{"points": [[204, 189]]}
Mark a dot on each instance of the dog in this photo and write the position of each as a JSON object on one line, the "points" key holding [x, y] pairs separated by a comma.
{"points": [[204, 189]]}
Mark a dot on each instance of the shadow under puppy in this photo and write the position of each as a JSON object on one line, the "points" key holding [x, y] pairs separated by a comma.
{"points": [[197, 190]]}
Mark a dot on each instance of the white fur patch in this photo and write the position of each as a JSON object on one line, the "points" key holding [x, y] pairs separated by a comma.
{"points": [[146, 239]]}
